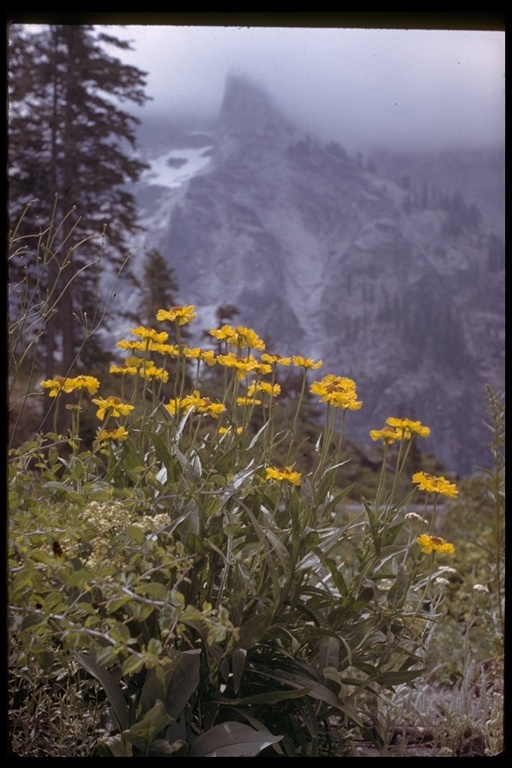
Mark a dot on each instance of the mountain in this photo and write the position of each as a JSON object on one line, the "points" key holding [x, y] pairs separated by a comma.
{"points": [[388, 268]]}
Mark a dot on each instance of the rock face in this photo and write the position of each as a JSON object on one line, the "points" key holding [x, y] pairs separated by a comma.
{"points": [[388, 277]]}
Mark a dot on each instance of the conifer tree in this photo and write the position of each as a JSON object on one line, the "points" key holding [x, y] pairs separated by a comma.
{"points": [[71, 152], [159, 287]]}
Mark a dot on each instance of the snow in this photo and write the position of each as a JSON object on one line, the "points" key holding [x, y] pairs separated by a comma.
{"points": [[175, 167]]}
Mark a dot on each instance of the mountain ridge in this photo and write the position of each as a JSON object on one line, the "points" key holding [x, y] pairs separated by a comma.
{"points": [[387, 276]]}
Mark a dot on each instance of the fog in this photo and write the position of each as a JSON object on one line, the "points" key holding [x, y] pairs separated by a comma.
{"points": [[399, 88], [361, 84]]}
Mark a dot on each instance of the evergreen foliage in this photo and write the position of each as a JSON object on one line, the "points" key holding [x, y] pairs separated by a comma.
{"points": [[70, 150]]}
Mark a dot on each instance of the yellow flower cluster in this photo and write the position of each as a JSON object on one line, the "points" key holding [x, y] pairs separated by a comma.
{"points": [[338, 391], [408, 428], [243, 365], [196, 403], [248, 401], [111, 406], [274, 390], [283, 473], [430, 544], [144, 368], [399, 429], [275, 359], [433, 484], [62, 384], [306, 362], [182, 315], [230, 430], [150, 335], [388, 435], [112, 434], [240, 337]]}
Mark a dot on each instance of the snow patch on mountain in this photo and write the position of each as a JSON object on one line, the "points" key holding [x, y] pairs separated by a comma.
{"points": [[175, 167]]}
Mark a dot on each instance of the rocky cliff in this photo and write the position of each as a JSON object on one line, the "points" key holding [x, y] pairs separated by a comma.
{"points": [[389, 276]]}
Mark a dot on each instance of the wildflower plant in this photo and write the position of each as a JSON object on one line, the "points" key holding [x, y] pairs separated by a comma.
{"points": [[219, 597]]}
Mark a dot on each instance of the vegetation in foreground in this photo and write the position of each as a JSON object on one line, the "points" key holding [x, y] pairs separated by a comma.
{"points": [[183, 583]]}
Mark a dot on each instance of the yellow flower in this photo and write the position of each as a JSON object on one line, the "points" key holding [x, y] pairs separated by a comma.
{"points": [[283, 473], [338, 391], [246, 337], [246, 401], [408, 427], [243, 365], [433, 484], [264, 386], [149, 371], [197, 403], [54, 385], [67, 385], [387, 435], [430, 544], [113, 434], [182, 315], [212, 409], [111, 406], [228, 430], [140, 346], [306, 362], [208, 356], [273, 359], [238, 337], [123, 369], [164, 349], [224, 333], [149, 334], [174, 406], [193, 352], [90, 383]]}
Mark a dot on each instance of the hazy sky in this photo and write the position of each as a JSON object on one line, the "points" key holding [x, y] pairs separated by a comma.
{"points": [[400, 86], [404, 86]]}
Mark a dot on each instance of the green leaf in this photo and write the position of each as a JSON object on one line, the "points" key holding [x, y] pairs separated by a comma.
{"points": [[238, 658], [192, 468], [142, 733], [155, 686], [232, 739], [78, 471], [130, 459], [337, 576], [136, 533], [399, 588], [389, 679], [195, 545], [268, 697], [184, 682], [80, 578], [254, 629], [161, 449], [110, 686], [317, 691], [117, 602], [153, 589], [68, 492], [100, 494], [329, 652], [132, 665]]}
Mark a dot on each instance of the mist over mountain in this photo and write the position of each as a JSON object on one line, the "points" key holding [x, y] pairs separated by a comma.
{"points": [[389, 267]]}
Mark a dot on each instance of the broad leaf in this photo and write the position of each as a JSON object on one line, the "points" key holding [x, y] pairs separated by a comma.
{"points": [[232, 739], [144, 732], [110, 686], [184, 682]]}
